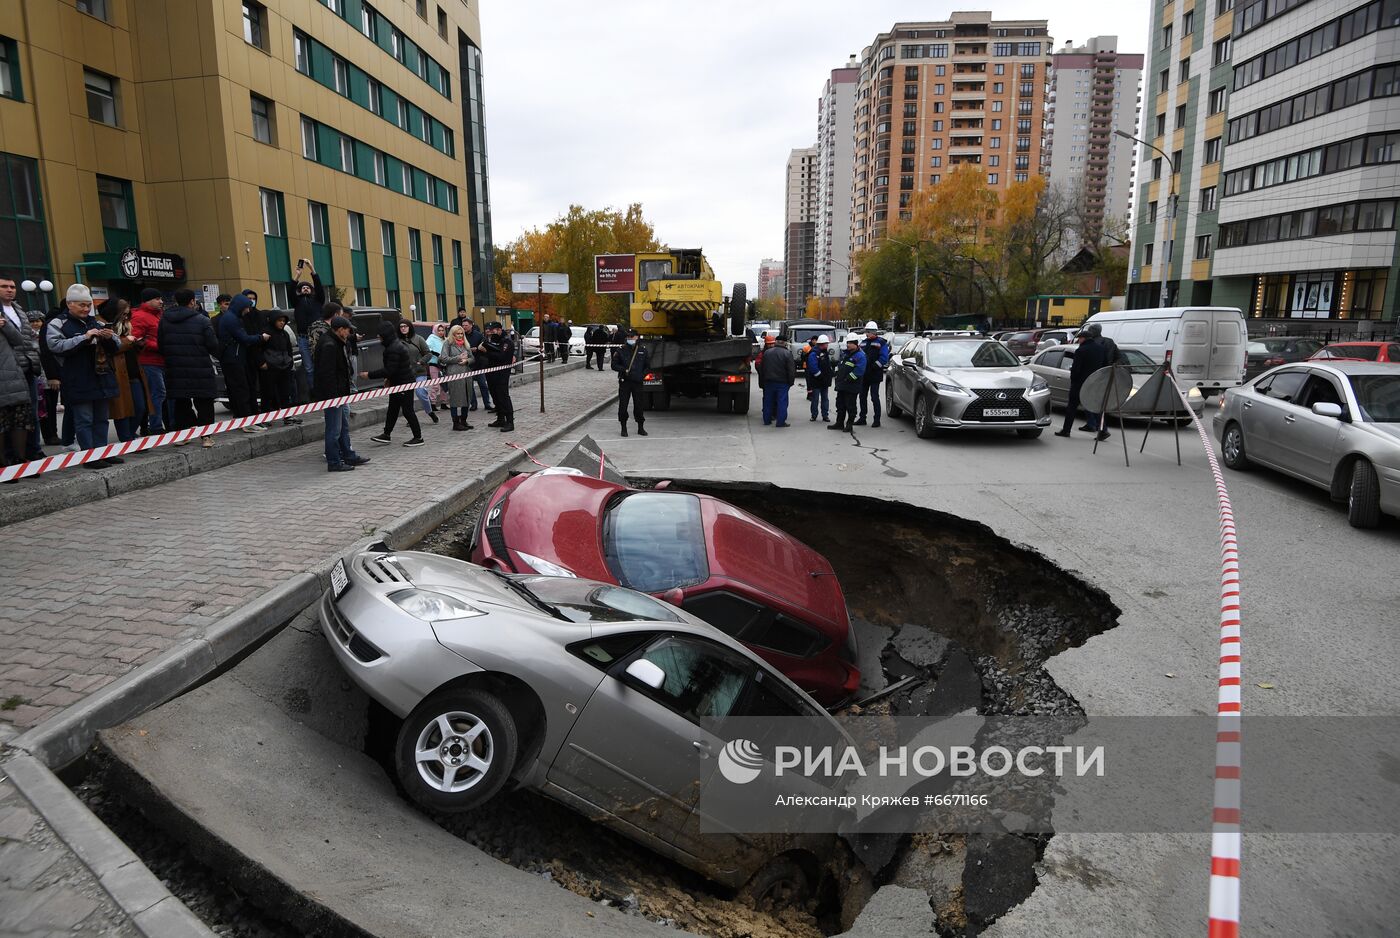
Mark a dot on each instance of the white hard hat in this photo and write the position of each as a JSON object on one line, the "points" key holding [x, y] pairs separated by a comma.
{"points": [[852, 337], [823, 339], [871, 327]]}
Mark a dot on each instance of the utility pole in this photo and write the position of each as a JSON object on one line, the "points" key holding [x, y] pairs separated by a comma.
{"points": [[1164, 296], [914, 315]]}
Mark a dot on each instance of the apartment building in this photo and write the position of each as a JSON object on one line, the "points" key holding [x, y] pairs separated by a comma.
{"points": [[799, 236], [835, 154], [211, 143], [934, 95], [770, 279], [1094, 92]]}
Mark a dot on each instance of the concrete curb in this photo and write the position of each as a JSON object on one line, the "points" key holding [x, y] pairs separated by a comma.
{"points": [[153, 910], [32, 498]]}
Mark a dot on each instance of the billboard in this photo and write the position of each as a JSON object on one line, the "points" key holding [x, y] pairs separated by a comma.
{"points": [[614, 273]]}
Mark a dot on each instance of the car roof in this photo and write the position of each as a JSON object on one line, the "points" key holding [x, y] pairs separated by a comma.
{"points": [[1350, 368], [1370, 343]]}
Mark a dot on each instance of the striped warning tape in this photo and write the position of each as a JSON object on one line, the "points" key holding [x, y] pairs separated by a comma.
{"points": [[143, 443], [1225, 837]]}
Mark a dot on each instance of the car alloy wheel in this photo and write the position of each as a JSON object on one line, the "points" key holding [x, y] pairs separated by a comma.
{"points": [[1232, 447], [456, 750], [923, 417], [891, 408]]}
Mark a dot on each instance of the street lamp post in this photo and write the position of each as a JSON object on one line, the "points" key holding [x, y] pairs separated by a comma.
{"points": [[1165, 294], [914, 314]]}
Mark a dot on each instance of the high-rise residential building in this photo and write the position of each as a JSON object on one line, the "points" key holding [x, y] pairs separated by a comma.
{"points": [[333, 130], [1286, 186], [799, 237], [1094, 91], [934, 95], [835, 156], [770, 279]]}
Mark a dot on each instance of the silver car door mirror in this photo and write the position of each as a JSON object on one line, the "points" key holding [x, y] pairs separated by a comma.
{"points": [[1324, 409], [647, 672]]}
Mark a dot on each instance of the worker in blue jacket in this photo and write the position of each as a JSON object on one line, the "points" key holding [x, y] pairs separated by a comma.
{"points": [[819, 368], [850, 374], [877, 359]]}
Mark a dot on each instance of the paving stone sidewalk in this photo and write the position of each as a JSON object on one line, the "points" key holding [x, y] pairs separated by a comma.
{"points": [[93, 591]]}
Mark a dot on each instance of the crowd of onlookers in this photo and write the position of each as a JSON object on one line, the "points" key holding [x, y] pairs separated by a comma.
{"points": [[157, 366]]}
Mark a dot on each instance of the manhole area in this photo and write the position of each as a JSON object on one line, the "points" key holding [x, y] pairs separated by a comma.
{"points": [[960, 615]]}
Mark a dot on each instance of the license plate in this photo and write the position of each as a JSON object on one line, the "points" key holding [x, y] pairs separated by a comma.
{"points": [[1002, 412], [339, 580]]}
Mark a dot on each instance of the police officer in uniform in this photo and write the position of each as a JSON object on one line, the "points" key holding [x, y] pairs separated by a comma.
{"points": [[498, 351], [631, 363]]}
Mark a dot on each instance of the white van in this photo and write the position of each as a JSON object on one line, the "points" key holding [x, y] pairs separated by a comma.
{"points": [[1207, 343]]}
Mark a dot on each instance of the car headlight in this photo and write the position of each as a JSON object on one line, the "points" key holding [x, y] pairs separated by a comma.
{"points": [[544, 566], [433, 607], [949, 388], [1040, 384], [1194, 394]]}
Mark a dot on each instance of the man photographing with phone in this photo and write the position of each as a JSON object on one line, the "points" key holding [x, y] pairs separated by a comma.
{"points": [[307, 301]]}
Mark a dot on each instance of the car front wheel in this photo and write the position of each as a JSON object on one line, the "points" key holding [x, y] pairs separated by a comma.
{"points": [[923, 417], [1232, 447], [780, 885], [1364, 499], [456, 750]]}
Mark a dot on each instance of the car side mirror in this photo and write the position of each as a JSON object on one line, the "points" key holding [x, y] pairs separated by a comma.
{"points": [[675, 596], [647, 673], [662, 485], [1323, 409]]}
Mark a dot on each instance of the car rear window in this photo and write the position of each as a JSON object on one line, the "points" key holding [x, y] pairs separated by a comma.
{"points": [[655, 541], [1369, 353]]}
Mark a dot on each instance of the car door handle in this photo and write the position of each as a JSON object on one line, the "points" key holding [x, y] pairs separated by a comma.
{"points": [[1289, 418], [1247, 405], [702, 747]]}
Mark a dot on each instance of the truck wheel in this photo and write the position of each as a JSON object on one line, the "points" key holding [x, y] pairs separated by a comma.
{"points": [[738, 308], [740, 401], [659, 399], [724, 402]]}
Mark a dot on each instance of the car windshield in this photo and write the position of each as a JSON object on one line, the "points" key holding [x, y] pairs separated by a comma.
{"points": [[801, 336], [654, 541], [1138, 363], [972, 353], [1379, 397], [587, 601], [1368, 353]]}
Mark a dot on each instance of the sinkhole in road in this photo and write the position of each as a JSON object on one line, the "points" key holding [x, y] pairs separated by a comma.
{"points": [[971, 616]]}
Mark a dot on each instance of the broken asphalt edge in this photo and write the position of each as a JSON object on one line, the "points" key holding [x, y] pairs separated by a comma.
{"points": [[76, 486], [65, 737]]}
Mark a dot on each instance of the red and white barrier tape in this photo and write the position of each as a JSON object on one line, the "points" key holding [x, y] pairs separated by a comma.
{"points": [[1225, 837], [140, 444]]}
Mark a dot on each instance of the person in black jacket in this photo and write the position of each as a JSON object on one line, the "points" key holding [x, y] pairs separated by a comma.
{"points": [[563, 332], [397, 370], [273, 360], [497, 351], [1092, 354], [777, 372], [631, 363], [186, 338], [235, 343], [306, 309], [333, 374]]}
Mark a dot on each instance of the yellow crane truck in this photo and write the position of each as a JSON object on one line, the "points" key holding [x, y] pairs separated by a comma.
{"points": [[695, 337]]}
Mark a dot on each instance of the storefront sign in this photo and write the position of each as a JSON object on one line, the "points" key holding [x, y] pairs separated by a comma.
{"points": [[152, 265]]}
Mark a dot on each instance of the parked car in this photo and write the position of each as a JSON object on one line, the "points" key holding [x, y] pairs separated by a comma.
{"points": [[1054, 363], [744, 576], [1269, 352], [1023, 344], [798, 332], [1359, 352], [1056, 337], [577, 344], [1333, 424], [1206, 343], [960, 383], [604, 699]]}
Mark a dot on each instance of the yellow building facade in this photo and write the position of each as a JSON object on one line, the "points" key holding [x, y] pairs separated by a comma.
{"points": [[213, 143]]}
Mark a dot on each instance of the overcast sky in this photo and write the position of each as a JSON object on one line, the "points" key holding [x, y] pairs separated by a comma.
{"points": [[690, 108]]}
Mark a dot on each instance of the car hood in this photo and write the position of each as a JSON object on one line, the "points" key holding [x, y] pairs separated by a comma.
{"points": [[745, 549], [443, 574], [1390, 432], [1018, 377], [559, 518]]}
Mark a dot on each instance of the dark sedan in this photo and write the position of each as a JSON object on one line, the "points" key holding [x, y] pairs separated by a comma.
{"points": [[1263, 354]]}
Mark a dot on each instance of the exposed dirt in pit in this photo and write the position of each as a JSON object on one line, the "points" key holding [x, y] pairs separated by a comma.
{"points": [[973, 616]]}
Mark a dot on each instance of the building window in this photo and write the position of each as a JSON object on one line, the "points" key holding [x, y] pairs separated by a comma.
{"points": [[993, 178], [280, 297], [386, 239], [262, 120], [1220, 52], [367, 20], [1207, 200], [1167, 36], [341, 72], [1183, 70], [97, 8], [309, 145], [270, 203], [1151, 213], [101, 97], [376, 103], [1161, 125], [317, 215], [1217, 100], [401, 113], [1164, 80], [1212, 150], [1176, 160], [301, 46], [393, 298], [994, 160], [9, 69], [336, 6], [1180, 117], [406, 177], [442, 23], [396, 44], [1147, 254], [420, 304], [1156, 167], [114, 203], [347, 154], [457, 255], [380, 172], [1188, 22], [437, 250], [254, 24], [357, 231], [415, 245], [1203, 244]]}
